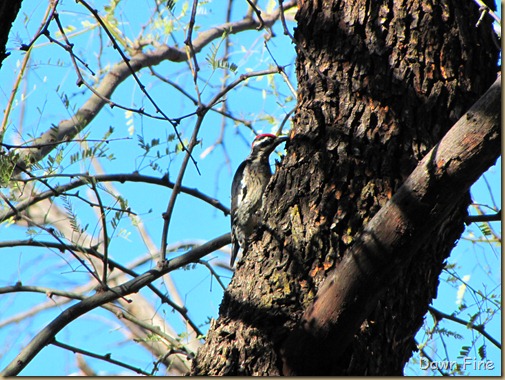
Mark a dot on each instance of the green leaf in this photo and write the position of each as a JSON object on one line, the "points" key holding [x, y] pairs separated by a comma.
{"points": [[465, 350], [482, 351]]}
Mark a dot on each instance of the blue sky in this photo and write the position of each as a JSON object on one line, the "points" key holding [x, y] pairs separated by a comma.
{"points": [[52, 78]]}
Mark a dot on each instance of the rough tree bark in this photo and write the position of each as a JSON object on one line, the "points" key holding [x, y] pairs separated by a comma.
{"points": [[393, 237], [380, 82]]}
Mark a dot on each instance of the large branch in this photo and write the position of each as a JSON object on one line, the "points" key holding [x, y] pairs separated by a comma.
{"points": [[393, 237]]}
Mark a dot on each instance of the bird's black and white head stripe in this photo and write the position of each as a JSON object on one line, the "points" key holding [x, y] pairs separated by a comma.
{"points": [[264, 144]]}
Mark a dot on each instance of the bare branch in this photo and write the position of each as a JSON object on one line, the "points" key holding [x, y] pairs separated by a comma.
{"points": [[106, 357], [48, 333], [103, 218], [212, 272], [189, 39], [483, 218], [438, 315], [84, 180], [258, 14]]}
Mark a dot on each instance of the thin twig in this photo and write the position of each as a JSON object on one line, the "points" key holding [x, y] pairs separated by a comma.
{"points": [[212, 272], [299, 46], [48, 16], [486, 10], [247, 123], [68, 47], [50, 292], [81, 81], [106, 357], [281, 71], [189, 40], [104, 230], [258, 14]]}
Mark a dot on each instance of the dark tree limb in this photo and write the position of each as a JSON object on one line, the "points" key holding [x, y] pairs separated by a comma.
{"points": [[484, 218], [393, 236]]}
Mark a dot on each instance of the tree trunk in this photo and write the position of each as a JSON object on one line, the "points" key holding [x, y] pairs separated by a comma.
{"points": [[380, 83]]}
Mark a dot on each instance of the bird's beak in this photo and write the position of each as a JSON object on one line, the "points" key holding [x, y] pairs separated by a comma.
{"points": [[281, 139]]}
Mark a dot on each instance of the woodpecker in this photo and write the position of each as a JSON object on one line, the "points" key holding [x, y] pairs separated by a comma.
{"points": [[247, 188]]}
